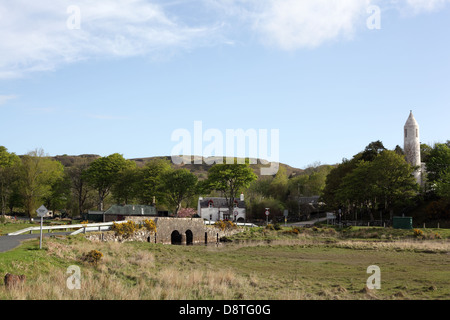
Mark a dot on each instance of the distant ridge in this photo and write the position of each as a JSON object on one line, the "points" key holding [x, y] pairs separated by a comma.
{"points": [[200, 170]]}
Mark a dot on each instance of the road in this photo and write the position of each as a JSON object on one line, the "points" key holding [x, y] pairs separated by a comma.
{"points": [[10, 242], [305, 223]]}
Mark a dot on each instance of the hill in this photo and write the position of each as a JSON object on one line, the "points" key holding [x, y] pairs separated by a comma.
{"points": [[200, 170]]}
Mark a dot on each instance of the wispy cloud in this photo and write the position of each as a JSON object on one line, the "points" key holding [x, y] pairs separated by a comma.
{"points": [[106, 117], [5, 98], [419, 6], [35, 35]]}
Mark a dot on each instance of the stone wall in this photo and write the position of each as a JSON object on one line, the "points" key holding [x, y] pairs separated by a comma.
{"points": [[188, 230]]}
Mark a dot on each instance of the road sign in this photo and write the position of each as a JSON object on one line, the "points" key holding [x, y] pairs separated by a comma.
{"points": [[42, 211], [267, 212], [286, 213]]}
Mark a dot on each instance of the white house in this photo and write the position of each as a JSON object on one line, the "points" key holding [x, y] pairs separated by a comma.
{"points": [[215, 209]]}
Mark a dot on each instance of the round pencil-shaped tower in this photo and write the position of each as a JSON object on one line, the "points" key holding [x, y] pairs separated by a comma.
{"points": [[412, 145]]}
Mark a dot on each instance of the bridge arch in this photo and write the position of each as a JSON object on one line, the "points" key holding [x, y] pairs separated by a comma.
{"points": [[189, 237], [176, 237]]}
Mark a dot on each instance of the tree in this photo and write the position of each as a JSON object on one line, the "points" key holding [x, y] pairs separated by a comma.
{"points": [[9, 163], [387, 181], [279, 186], [178, 185], [125, 188], [103, 173], [372, 150], [438, 162], [443, 185], [81, 190], [231, 180], [331, 193], [37, 174], [149, 180]]}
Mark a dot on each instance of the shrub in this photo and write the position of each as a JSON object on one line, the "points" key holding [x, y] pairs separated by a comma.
{"points": [[293, 230], [418, 233], [92, 257], [150, 225], [125, 229], [270, 227], [225, 225]]}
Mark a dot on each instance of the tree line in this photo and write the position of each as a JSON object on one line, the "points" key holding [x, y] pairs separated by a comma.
{"points": [[376, 182], [73, 185]]}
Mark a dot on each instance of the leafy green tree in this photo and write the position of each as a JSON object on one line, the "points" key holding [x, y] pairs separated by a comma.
{"points": [[82, 192], [438, 162], [443, 185], [124, 189], [60, 196], [425, 150], [37, 174], [178, 185], [9, 163], [104, 172], [372, 150], [231, 180], [394, 180], [278, 188], [149, 181], [387, 181], [331, 193]]}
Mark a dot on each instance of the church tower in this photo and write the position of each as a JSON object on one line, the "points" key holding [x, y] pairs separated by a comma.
{"points": [[412, 146]]}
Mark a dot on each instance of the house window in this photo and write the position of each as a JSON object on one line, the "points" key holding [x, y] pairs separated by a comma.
{"points": [[406, 133]]}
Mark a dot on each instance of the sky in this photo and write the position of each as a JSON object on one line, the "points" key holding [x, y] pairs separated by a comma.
{"points": [[330, 76]]}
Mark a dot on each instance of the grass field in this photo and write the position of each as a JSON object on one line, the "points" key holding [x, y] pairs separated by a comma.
{"points": [[316, 263]]}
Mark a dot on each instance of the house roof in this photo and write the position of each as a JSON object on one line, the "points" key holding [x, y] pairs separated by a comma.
{"points": [[219, 202]]}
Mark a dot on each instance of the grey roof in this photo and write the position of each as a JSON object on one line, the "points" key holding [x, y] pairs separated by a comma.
{"points": [[219, 203], [132, 210]]}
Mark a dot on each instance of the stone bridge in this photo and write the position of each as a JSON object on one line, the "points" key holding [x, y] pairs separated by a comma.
{"points": [[171, 231]]}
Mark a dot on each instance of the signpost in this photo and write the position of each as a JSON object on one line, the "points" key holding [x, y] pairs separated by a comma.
{"points": [[41, 212], [267, 215], [285, 213]]}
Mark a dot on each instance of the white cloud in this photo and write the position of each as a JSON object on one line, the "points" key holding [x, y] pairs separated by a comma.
{"points": [[293, 24], [418, 6], [35, 35], [5, 98]]}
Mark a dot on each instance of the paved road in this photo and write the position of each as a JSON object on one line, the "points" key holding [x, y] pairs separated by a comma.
{"points": [[305, 223], [10, 242]]}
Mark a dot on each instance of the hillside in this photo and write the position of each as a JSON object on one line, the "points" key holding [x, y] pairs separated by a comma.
{"points": [[200, 170]]}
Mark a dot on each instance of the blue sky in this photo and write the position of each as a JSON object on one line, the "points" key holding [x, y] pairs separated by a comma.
{"points": [[135, 71]]}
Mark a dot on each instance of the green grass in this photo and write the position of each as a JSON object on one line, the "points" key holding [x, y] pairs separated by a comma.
{"points": [[315, 264]]}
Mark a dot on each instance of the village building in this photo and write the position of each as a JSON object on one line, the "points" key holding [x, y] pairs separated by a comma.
{"points": [[216, 209]]}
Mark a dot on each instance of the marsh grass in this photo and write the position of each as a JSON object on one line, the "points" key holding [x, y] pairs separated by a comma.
{"points": [[314, 264]]}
